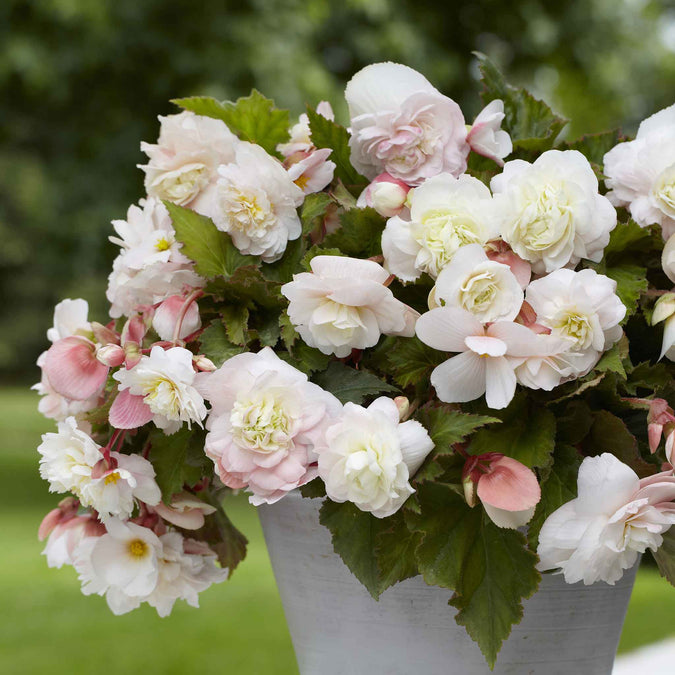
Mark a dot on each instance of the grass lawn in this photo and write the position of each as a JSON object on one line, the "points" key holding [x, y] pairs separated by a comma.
{"points": [[46, 625]]}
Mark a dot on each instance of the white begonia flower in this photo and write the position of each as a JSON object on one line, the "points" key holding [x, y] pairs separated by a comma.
{"points": [[183, 166], [446, 213], [668, 258], [150, 267], [641, 173], [486, 137], [616, 516], [165, 380], [185, 569], [123, 564], [559, 366], [265, 423], [68, 457], [257, 202], [70, 318], [486, 357], [370, 456], [343, 304], [550, 211], [113, 492], [313, 172], [402, 125], [471, 281], [579, 307]]}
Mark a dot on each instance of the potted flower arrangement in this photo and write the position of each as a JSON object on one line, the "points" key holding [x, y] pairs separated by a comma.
{"points": [[430, 351]]}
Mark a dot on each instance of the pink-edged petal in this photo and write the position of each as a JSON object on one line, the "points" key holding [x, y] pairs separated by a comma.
{"points": [[508, 519], [129, 411], [73, 370], [484, 345], [521, 269], [446, 328], [509, 485], [460, 379], [500, 382]]}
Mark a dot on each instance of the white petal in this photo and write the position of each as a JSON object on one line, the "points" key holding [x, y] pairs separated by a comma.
{"points": [[415, 444], [460, 379], [509, 519], [500, 382], [446, 328]]}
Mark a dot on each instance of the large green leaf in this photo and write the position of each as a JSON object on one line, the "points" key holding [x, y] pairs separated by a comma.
{"points": [[328, 134], [530, 122], [253, 118], [628, 238], [613, 359], [410, 361], [378, 551], [360, 233], [489, 569], [212, 251], [665, 556], [594, 146], [235, 320], [348, 384], [215, 344], [631, 283], [527, 433]]}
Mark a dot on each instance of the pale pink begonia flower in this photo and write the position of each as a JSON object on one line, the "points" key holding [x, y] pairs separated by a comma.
{"points": [[486, 357], [185, 511], [446, 213], [661, 416], [641, 173], [473, 282], [550, 211], [160, 387], [166, 316], [66, 536], [615, 517], [183, 166], [508, 490], [344, 304], [486, 137], [311, 171], [386, 194], [301, 136], [402, 125], [265, 422], [369, 456]]}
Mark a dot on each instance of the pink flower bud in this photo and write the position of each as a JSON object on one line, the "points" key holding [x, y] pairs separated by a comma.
{"points": [[103, 334], [386, 195], [403, 405], [134, 330], [169, 313], [132, 353], [111, 355]]}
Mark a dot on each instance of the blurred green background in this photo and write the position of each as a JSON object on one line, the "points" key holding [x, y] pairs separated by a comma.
{"points": [[81, 84]]}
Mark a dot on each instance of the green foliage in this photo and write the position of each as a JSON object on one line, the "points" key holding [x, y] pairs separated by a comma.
{"points": [[628, 238], [359, 234], [348, 384], [215, 344], [235, 320], [315, 489], [595, 146], [327, 134], [665, 556], [212, 251], [253, 118], [378, 551], [527, 433], [530, 122], [489, 568], [410, 361], [613, 359], [313, 209], [305, 358], [631, 283]]}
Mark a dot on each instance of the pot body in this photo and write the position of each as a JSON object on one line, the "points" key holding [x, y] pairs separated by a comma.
{"points": [[338, 629]]}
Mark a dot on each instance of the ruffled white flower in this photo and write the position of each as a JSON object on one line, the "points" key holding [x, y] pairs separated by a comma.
{"points": [[165, 380], [616, 516], [581, 308], [641, 173], [183, 166], [266, 420], [446, 213], [68, 457], [257, 202], [370, 456], [551, 213], [114, 491], [402, 125], [486, 358], [559, 366], [486, 137], [150, 267], [343, 305], [122, 564], [471, 281]]}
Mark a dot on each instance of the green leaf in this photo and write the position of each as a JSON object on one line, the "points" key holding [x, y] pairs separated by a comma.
{"points": [[328, 134], [315, 489], [248, 285], [169, 456], [410, 361], [314, 208], [595, 146], [612, 359], [306, 358], [216, 346], [651, 377], [527, 434], [235, 318], [665, 556], [253, 118], [530, 122], [378, 551], [315, 251], [288, 333], [631, 283], [627, 238], [575, 423], [266, 328], [212, 251], [351, 385], [557, 489], [360, 233], [490, 569]]}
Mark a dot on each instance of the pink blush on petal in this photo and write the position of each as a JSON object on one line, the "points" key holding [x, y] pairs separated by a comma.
{"points": [[129, 411], [73, 370], [509, 485]]}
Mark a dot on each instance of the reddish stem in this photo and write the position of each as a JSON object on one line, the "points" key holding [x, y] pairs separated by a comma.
{"points": [[197, 293]]}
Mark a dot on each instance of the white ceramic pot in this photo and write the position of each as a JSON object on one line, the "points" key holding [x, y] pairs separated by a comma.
{"points": [[338, 629]]}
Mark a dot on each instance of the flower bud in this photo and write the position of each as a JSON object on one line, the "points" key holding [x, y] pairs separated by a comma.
{"points": [[469, 491], [104, 335], [403, 405], [168, 314], [110, 355], [386, 195], [202, 363], [664, 308]]}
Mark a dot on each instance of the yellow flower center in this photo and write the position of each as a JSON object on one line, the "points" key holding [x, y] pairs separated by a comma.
{"points": [[112, 477], [162, 244], [137, 548]]}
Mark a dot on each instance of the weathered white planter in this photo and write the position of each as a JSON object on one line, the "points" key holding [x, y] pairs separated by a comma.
{"points": [[338, 629]]}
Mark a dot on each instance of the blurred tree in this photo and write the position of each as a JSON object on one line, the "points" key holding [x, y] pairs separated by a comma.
{"points": [[81, 83]]}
